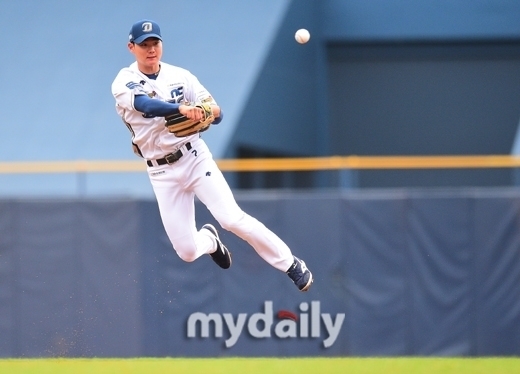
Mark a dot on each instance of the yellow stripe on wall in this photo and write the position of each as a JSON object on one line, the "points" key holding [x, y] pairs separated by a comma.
{"points": [[275, 164]]}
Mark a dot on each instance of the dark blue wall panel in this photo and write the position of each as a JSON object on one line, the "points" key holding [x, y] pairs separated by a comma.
{"points": [[420, 20], [397, 272]]}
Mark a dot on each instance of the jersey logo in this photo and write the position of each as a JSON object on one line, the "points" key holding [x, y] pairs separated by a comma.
{"points": [[132, 85], [177, 95], [136, 87]]}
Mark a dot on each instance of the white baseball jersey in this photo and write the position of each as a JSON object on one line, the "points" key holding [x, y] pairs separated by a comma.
{"points": [[150, 137]]}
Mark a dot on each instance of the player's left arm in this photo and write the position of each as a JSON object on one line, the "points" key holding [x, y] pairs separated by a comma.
{"points": [[215, 108], [217, 113], [200, 93]]}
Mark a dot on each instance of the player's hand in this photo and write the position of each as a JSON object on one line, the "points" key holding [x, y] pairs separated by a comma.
{"points": [[191, 119], [191, 112]]}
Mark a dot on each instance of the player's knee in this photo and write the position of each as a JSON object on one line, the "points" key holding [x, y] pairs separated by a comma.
{"points": [[186, 256], [230, 217], [234, 223], [186, 250]]}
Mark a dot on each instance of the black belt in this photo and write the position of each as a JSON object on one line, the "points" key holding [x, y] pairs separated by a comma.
{"points": [[170, 158]]}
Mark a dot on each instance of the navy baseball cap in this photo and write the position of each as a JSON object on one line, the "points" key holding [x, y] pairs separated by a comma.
{"points": [[143, 30]]}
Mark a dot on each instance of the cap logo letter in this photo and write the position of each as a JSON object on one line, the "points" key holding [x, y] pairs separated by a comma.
{"points": [[147, 27]]}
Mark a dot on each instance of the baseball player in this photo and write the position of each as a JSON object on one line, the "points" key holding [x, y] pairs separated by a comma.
{"points": [[165, 108]]}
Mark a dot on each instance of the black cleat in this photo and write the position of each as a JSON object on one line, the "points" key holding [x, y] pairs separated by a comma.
{"points": [[300, 275], [221, 256]]}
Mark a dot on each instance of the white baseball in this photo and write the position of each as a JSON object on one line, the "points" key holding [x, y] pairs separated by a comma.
{"points": [[302, 36]]}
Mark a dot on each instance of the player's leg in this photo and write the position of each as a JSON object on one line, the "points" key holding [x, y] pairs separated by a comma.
{"points": [[177, 210], [213, 190]]}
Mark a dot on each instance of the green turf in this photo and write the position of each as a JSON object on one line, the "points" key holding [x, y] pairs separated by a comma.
{"points": [[264, 365]]}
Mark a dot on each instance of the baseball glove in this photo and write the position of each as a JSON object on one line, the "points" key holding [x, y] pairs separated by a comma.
{"points": [[179, 125]]}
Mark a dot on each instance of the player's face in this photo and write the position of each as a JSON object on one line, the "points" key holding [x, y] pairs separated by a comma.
{"points": [[147, 54]]}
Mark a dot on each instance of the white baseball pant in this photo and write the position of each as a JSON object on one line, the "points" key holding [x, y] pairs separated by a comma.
{"points": [[197, 174]]}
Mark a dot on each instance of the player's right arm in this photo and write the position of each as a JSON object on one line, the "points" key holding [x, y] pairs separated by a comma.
{"points": [[158, 108], [130, 94], [153, 107]]}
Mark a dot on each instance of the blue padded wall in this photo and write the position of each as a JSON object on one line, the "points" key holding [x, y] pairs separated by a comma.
{"points": [[403, 272]]}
